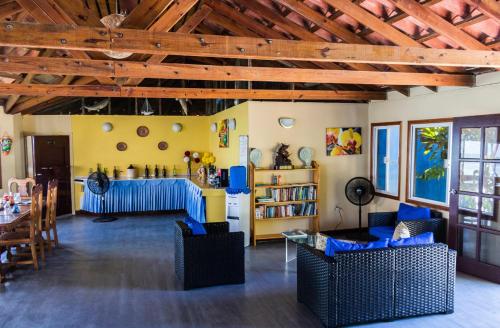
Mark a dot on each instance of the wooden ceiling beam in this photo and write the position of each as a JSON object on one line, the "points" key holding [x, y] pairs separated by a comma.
{"points": [[439, 24], [174, 14], [166, 43], [490, 8], [190, 93], [119, 69], [145, 13]]}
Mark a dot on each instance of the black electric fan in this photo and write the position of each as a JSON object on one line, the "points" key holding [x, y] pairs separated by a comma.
{"points": [[98, 183], [360, 192]]}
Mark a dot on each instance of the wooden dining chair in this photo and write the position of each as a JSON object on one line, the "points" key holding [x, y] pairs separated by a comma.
{"points": [[49, 224], [32, 238], [22, 186]]}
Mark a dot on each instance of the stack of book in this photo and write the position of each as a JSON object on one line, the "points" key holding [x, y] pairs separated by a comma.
{"points": [[264, 199], [292, 194]]}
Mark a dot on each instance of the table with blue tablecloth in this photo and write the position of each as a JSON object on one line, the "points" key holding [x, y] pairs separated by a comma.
{"points": [[148, 195]]}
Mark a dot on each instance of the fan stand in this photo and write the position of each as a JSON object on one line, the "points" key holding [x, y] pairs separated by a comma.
{"points": [[103, 218], [361, 235]]}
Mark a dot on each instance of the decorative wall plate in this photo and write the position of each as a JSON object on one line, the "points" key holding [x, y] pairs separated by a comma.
{"points": [[121, 146], [142, 131], [162, 145]]}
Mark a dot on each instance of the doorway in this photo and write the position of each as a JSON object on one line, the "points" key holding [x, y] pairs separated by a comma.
{"points": [[48, 157], [475, 195]]}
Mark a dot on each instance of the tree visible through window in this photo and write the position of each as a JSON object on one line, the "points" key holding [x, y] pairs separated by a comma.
{"points": [[429, 174]]}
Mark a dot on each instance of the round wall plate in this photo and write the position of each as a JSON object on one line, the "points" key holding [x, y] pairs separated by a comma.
{"points": [[121, 146], [162, 145], [142, 131]]}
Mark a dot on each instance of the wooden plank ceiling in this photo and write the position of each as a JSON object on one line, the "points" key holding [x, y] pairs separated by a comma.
{"points": [[54, 52]]}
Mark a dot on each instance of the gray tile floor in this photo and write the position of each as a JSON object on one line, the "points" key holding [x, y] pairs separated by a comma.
{"points": [[121, 274]]}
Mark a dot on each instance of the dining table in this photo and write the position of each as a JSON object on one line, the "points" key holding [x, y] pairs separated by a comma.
{"points": [[8, 221]]}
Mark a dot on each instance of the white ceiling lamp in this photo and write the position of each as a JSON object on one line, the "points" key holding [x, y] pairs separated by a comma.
{"points": [[231, 123], [213, 127], [107, 127], [286, 122], [177, 127], [114, 21]]}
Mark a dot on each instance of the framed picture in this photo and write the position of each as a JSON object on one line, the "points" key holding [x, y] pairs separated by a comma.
{"points": [[223, 134], [343, 141]]}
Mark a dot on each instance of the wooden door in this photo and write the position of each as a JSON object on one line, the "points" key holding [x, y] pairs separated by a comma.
{"points": [[51, 159], [475, 195]]}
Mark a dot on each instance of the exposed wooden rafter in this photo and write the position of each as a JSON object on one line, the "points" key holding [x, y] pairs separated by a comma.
{"points": [[166, 43], [118, 69]]}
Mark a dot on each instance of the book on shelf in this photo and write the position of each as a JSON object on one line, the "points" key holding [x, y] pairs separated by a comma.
{"points": [[292, 193], [292, 210], [264, 199]]}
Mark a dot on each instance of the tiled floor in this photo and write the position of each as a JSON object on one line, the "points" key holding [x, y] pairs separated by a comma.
{"points": [[121, 274]]}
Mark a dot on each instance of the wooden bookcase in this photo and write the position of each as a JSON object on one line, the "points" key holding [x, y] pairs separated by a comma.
{"points": [[259, 182]]}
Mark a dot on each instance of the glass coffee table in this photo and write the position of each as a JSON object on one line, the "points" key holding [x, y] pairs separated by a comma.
{"points": [[295, 237]]}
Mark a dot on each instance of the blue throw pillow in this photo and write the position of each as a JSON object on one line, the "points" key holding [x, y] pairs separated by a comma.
{"points": [[196, 227], [425, 238], [407, 212], [333, 245]]}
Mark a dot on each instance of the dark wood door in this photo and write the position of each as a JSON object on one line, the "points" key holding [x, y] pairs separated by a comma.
{"points": [[51, 159], [475, 195]]}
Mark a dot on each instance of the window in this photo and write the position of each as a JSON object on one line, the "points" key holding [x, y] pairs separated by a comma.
{"points": [[385, 168], [429, 145]]}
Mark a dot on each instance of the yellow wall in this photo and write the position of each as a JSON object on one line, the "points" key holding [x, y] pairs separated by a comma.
{"points": [[226, 157], [91, 145], [12, 165], [312, 120]]}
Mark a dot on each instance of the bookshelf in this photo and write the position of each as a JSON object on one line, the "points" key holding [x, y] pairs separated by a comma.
{"points": [[284, 203]]}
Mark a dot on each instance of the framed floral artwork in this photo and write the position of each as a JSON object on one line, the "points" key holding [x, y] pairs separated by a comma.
{"points": [[343, 141], [223, 134]]}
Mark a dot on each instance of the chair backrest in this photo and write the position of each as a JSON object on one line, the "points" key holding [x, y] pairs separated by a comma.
{"points": [[36, 209], [51, 202], [23, 186]]}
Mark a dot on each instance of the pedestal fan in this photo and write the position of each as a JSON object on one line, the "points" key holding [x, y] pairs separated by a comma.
{"points": [[360, 192], [98, 184]]}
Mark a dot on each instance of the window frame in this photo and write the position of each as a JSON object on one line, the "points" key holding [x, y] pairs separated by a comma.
{"points": [[373, 126], [410, 163]]}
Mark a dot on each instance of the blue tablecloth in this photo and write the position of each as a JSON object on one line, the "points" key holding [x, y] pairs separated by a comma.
{"points": [[149, 195]]}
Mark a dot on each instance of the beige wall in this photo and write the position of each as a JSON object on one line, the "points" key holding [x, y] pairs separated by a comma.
{"points": [[312, 120], [424, 104]]}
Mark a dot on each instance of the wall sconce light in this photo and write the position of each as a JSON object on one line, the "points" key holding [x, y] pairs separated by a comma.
{"points": [[177, 127], [231, 123], [286, 122], [213, 127], [107, 127]]}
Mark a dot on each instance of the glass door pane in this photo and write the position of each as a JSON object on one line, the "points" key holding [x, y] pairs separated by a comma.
{"points": [[470, 143], [490, 249], [490, 215], [469, 176], [492, 143], [491, 179], [467, 243]]}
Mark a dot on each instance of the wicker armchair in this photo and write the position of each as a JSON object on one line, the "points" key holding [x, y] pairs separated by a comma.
{"points": [[374, 285], [216, 258], [436, 224]]}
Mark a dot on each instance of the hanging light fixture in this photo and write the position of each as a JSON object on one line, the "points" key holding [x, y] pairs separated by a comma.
{"points": [[146, 108], [114, 21]]}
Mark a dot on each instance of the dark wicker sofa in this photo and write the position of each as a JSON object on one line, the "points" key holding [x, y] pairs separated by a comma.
{"points": [[436, 224], [376, 285], [216, 258]]}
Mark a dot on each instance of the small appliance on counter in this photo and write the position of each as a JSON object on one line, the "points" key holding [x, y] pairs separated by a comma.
{"points": [[238, 202], [223, 175]]}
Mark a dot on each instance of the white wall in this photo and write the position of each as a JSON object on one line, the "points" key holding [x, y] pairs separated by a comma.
{"points": [[312, 120], [482, 99]]}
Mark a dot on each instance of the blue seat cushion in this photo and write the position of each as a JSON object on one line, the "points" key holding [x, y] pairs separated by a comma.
{"points": [[425, 238], [407, 212], [196, 227], [382, 232], [333, 245]]}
